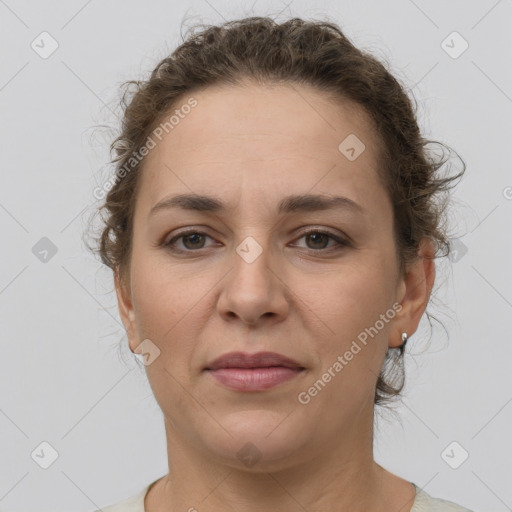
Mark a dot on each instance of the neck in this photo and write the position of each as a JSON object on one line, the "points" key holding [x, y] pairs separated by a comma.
{"points": [[322, 477]]}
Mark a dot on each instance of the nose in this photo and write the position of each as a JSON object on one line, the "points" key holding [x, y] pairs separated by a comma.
{"points": [[253, 291]]}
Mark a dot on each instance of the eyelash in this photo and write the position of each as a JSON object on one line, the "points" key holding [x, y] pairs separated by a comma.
{"points": [[340, 241]]}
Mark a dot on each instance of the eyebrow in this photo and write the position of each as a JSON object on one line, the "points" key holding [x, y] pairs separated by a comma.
{"points": [[289, 204]]}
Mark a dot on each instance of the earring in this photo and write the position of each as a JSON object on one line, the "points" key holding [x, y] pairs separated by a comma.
{"points": [[404, 341]]}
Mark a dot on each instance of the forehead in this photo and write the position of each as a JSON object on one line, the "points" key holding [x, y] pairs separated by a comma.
{"points": [[264, 136]]}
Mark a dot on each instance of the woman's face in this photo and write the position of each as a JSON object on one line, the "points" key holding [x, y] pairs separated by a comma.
{"points": [[252, 281]]}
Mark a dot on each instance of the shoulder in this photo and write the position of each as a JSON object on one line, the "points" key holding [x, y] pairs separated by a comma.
{"points": [[134, 503], [426, 503]]}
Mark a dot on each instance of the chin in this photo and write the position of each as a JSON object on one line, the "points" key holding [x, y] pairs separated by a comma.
{"points": [[260, 440]]}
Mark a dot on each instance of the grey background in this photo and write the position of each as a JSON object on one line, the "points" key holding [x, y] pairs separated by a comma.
{"points": [[61, 378]]}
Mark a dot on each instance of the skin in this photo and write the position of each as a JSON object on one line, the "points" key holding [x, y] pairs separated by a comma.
{"points": [[250, 146]]}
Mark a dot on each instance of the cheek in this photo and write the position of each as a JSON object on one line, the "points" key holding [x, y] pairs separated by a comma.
{"points": [[170, 311], [156, 303], [353, 295], [355, 306]]}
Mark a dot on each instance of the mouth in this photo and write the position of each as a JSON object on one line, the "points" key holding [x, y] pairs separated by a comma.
{"points": [[249, 361], [253, 372]]}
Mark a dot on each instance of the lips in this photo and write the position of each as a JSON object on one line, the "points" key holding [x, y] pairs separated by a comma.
{"points": [[259, 360], [244, 372]]}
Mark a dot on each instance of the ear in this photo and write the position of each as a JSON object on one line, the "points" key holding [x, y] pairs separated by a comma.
{"points": [[414, 290], [126, 312]]}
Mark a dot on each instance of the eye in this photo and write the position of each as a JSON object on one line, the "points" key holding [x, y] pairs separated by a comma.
{"points": [[193, 240], [319, 238]]}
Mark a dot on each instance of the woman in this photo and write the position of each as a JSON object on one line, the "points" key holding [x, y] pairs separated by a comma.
{"points": [[272, 229]]}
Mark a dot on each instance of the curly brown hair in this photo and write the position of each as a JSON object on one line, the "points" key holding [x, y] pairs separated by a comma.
{"points": [[296, 51]]}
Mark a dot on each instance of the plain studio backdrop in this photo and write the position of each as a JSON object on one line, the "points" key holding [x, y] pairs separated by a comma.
{"points": [[64, 390]]}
